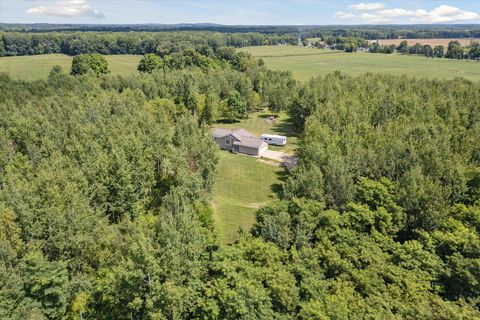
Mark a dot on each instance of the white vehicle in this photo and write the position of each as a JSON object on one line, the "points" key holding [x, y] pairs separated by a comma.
{"points": [[274, 139]]}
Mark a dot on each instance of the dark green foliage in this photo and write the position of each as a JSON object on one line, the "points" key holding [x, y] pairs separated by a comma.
{"points": [[474, 51], [427, 51], [455, 50], [83, 63], [149, 63], [80, 64], [416, 49], [438, 51], [210, 108], [375, 48], [377, 131], [162, 43], [45, 283], [107, 170], [349, 265], [381, 217], [403, 47], [235, 107], [276, 90]]}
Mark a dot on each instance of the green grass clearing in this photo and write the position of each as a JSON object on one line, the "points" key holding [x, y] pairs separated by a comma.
{"points": [[243, 185], [256, 125], [305, 63], [38, 67]]}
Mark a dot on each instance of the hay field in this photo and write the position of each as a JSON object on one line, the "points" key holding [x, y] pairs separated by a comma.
{"points": [[38, 67], [305, 63]]}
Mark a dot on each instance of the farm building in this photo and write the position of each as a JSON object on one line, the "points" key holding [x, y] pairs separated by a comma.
{"points": [[240, 141]]}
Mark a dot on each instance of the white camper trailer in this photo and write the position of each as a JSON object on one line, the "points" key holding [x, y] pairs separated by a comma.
{"points": [[274, 139]]}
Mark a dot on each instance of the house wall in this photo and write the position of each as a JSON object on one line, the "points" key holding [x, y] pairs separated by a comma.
{"points": [[225, 143], [253, 151], [247, 150], [262, 149]]}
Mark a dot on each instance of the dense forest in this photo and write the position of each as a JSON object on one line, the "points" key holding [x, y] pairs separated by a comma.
{"points": [[371, 32], [105, 190], [20, 40], [74, 43]]}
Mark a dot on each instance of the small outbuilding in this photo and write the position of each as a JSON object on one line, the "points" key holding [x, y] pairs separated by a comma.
{"points": [[239, 141]]}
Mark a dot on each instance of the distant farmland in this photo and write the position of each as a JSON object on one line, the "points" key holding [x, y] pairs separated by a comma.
{"points": [[38, 67], [433, 42], [305, 63]]}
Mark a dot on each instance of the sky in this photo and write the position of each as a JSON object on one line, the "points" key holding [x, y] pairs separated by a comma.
{"points": [[240, 12]]}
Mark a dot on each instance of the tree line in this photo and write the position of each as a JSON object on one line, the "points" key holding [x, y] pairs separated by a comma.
{"points": [[74, 43], [370, 32], [454, 49]]}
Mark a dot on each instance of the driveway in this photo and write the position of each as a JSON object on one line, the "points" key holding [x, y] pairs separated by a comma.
{"points": [[288, 160], [274, 155]]}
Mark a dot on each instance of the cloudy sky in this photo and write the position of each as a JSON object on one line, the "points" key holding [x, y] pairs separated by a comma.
{"points": [[239, 11]]}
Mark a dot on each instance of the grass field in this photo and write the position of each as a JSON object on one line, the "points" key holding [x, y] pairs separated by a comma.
{"points": [[256, 125], [38, 67], [309, 62], [243, 184]]}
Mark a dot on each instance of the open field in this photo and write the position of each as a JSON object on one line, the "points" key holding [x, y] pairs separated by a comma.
{"points": [[38, 67], [243, 184], [433, 42], [305, 63]]}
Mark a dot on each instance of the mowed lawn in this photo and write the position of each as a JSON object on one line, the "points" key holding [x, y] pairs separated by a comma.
{"points": [[305, 63], [256, 124], [38, 67], [243, 185]]}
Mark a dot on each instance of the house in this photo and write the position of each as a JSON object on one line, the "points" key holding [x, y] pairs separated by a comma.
{"points": [[239, 141]]}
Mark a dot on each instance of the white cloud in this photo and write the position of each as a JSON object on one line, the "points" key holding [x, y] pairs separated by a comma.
{"points": [[374, 18], [396, 13], [444, 14], [68, 9], [344, 15], [375, 12], [367, 6]]}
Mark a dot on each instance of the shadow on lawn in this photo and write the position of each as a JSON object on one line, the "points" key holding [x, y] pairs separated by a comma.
{"points": [[285, 128], [277, 188], [227, 121], [267, 115]]}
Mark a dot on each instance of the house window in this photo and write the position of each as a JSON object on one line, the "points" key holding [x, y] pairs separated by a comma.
{"points": [[227, 141]]}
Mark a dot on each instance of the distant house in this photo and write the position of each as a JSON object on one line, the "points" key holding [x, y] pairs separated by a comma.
{"points": [[239, 141]]}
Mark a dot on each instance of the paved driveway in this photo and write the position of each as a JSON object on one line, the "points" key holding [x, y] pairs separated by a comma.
{"points": [[274, 155], [288, 160]]}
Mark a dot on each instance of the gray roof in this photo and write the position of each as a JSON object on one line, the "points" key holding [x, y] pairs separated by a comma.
{"points": [[242, 133], [245, 138], [250, 142], [220, 133]]}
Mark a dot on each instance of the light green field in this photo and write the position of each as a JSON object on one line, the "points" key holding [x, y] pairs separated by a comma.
{"points": [[309, 62], [38, 67], [243, 184]]}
